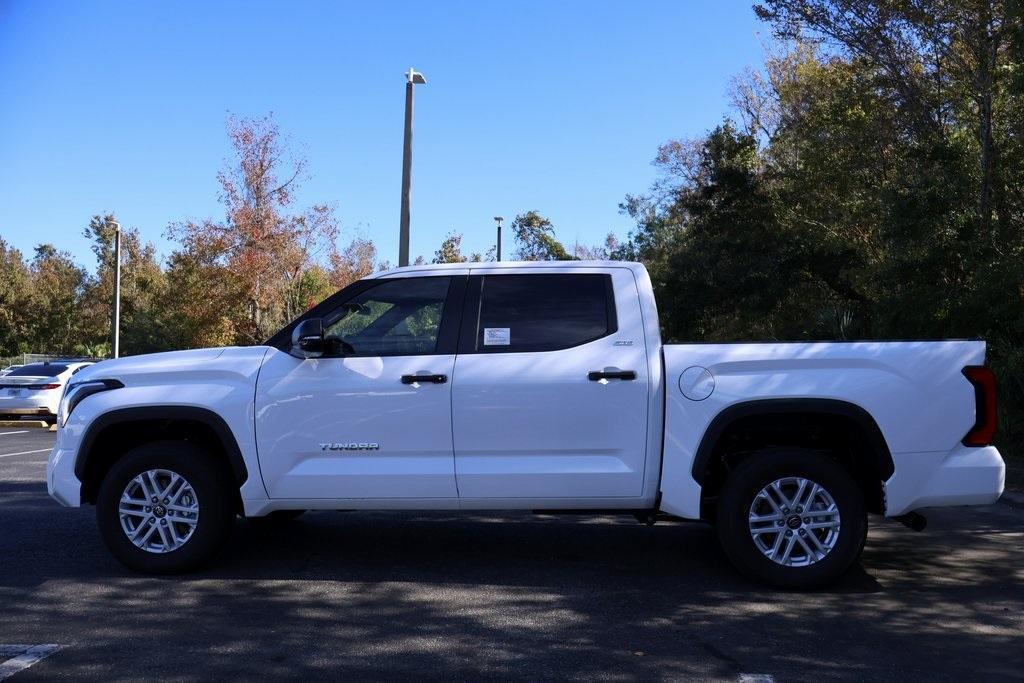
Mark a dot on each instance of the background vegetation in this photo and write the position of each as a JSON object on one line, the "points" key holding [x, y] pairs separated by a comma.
{"points": [[868, 183]]}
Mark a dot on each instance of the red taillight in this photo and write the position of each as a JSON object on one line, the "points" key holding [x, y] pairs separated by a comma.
{"points": [[45, 386], [985, 405]]}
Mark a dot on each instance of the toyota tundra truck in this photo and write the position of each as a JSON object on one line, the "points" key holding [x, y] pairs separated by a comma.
{"points": [[527, 386]]}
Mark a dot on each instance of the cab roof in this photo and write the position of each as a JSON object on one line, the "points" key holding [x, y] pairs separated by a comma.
{"points": [[503, 265]]}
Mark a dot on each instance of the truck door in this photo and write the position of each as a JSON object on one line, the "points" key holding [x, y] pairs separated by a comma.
{"points": [[550, 396], [375, 420]]}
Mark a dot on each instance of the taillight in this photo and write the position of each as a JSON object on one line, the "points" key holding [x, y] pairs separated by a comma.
{"points": [[45, 386], [985, 405]]}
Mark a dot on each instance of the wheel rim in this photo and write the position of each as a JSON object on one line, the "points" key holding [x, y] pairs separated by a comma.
{"points": [[159, 511], [794, 522]]}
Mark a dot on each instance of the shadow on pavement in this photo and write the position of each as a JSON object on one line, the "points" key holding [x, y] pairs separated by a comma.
{"points": [[379, 595]]}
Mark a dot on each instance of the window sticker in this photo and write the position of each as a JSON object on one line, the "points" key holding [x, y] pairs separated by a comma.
{"points": [[497, 336]]}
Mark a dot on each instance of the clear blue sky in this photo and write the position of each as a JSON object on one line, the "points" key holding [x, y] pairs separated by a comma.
{"points": [[554, 106]]}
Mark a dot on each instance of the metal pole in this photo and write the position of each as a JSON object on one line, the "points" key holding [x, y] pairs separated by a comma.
{"points": [[403, 230], [116, 320], [498, 220]]}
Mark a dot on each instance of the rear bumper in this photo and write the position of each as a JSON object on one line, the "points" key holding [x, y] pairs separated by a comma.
{"points": [[28, 405], [24, 411], [963, 476]]}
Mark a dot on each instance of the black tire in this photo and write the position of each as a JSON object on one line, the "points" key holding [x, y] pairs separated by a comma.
{"points": [[212, 486], [757, 472]]}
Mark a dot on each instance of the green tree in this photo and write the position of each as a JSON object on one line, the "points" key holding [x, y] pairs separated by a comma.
{"points": [[535, 239], [450, 250], [15, 300], [52, 321], [143, 284]]}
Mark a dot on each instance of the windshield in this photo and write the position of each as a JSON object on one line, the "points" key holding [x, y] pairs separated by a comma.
{"points": [[39, 370]]}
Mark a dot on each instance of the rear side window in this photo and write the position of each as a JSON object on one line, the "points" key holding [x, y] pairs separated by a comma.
{"points": [[543, 312]]}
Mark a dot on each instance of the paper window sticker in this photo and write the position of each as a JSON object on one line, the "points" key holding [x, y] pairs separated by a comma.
{"points": [[497, 336]]}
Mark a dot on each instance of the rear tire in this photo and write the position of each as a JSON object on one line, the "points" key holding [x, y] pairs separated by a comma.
{"points": [[177, 532], [765, 530]]}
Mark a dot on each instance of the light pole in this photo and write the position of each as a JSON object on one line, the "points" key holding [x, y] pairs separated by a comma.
{"points": [[498, 220], [115, 322], [412, 78]]}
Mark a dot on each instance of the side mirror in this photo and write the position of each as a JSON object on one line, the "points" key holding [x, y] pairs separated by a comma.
{"points": [[308, 338]]}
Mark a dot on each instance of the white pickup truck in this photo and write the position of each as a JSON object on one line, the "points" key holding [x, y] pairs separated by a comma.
{"points": [[527, 386]]}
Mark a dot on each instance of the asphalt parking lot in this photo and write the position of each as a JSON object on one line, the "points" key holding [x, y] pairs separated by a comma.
{"points": [[380, 596]]}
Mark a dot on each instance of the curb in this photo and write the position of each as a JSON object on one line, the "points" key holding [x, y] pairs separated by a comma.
{"points": [[36, 424]]}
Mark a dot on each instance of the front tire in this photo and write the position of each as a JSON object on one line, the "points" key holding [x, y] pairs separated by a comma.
{"points": [[165, 508], [792, 519]]}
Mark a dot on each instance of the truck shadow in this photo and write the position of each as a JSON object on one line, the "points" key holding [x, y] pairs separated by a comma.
{"points": [[377, 595]]}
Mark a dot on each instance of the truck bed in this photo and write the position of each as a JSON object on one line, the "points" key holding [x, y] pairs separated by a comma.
{"points": [[914, 391]]}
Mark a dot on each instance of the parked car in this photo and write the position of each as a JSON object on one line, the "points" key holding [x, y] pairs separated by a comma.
{"points": [[531, 386], [8, 369], [35, 389]]}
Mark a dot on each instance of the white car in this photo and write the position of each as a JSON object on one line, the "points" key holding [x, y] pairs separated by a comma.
{"points": [[530, 386], [35, 389], [8, 370]]}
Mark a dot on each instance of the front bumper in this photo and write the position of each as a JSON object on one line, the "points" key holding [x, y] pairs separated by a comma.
{"points": [[963, 476], [61, 482]]}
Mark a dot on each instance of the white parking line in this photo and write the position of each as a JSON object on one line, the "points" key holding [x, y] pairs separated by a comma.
{"points": [[25, 656], [756, 678], [23, 431], [41, 450]]}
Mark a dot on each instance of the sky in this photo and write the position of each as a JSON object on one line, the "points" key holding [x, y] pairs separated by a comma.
{"points": [[557, 107]]}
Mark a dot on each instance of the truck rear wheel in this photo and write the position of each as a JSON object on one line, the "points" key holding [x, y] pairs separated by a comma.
{"points": [[164, 508], [793, 519]]}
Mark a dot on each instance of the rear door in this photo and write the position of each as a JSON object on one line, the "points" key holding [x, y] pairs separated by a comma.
{"points": [[550, 393]]}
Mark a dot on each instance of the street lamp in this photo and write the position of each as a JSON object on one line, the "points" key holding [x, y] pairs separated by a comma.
{"points": [[115, 322], [498, 220], [412, 78]]}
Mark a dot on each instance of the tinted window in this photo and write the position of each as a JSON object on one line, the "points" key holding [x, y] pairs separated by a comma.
{"points": [[543, 312], [39, 370], [395, 318]]}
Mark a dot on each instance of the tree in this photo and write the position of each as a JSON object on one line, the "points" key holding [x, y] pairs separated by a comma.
{"points": [[143, 325], [15, 300], [52, 319], [535, 239], [450, 250], [602, 252], [352, 263], [267, 249]]}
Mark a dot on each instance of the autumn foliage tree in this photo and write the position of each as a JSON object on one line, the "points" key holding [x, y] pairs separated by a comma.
{"points": [[268, 249]]}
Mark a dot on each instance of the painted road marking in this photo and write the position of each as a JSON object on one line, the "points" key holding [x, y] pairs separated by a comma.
{"points": [[23, 431], [24, 657], [11, 455], [756, 678]]}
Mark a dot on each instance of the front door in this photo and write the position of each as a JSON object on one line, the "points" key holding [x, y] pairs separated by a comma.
{"points": [[375, 420], [551, 386]]}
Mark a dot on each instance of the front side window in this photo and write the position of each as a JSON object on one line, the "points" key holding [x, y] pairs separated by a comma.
{"points": [[543, 312], [395, 318]]}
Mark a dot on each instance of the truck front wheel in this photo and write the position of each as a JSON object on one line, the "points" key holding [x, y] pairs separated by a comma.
{"points": [[793, 519], [164, 508]]}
